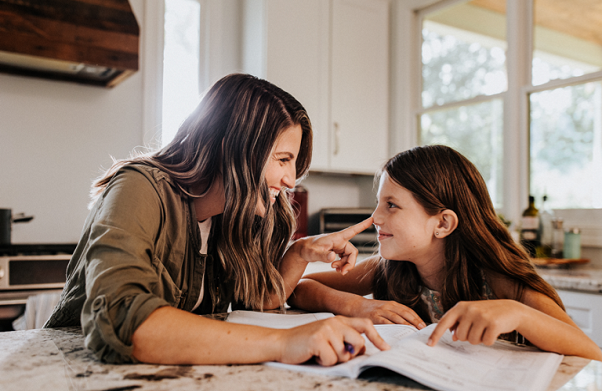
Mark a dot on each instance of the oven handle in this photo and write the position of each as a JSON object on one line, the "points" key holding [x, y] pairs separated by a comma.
{"points": [[13, 301]]}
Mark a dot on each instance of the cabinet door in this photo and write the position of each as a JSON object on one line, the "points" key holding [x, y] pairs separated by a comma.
{"points": [[586, 311], [287, 43], [359, 85]]}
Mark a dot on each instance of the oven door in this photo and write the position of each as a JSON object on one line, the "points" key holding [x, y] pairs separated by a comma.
{"points": [[33, 271], [22, 276]]}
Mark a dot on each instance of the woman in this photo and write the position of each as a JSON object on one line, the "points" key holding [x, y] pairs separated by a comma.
{"points": [[446, 258], [197, 226]]}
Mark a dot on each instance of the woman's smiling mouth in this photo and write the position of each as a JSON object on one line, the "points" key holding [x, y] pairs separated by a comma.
{"points": [[274, 194]]}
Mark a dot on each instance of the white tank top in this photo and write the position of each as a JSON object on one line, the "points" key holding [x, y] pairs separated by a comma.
{"points": [[205, 227]]}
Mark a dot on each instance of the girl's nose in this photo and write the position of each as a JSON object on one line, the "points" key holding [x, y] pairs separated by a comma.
{"points": [[376, 215]]}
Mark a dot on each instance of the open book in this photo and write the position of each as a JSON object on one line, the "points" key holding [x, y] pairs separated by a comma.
{"points": [[450, 365]]}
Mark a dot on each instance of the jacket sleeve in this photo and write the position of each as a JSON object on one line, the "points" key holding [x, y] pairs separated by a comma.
{"points": [[122, 286]]}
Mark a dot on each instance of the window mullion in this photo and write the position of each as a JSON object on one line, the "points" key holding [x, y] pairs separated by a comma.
{"points": [[467, 102], [516, 131], [561, 83]]}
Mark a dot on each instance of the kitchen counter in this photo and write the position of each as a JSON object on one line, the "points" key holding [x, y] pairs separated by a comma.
{"points": [[585, 277], [56, 359], [580, 289]]}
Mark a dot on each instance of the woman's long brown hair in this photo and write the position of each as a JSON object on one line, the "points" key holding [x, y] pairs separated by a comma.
{"points": [[440, 178], [230, 135]]}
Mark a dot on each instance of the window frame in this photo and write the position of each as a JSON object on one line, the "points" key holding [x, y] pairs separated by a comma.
{"points": [[218, 55], [152, 45], [407, 102]]}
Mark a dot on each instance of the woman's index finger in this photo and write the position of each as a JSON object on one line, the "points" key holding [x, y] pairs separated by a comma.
{"points": [[350, 232]]}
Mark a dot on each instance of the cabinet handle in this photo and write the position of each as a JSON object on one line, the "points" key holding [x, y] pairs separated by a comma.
{"points": [[337, 135]]}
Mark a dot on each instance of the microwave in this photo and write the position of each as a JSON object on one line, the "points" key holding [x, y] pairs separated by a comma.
{"points": [[336, 219], [33, 271]]}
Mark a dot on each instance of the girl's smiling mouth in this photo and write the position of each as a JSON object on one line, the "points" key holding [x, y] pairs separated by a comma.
{"points": [[384, 235]]}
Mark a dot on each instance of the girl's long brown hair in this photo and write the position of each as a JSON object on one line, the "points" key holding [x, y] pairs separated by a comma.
{"points": [[441, 178], [230, 135]]}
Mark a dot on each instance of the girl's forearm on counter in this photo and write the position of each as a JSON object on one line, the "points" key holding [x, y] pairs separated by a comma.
{"points": [[311, 295]]}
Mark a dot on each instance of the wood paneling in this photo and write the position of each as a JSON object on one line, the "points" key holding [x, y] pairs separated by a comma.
{"points": [[92, 32], [578, 18]]}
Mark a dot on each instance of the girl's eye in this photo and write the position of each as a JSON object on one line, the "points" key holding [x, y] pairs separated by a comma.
{"points": [[391, 205]]}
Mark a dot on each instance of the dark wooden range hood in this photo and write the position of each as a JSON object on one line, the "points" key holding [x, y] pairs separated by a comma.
{"points": [[86, 41]]}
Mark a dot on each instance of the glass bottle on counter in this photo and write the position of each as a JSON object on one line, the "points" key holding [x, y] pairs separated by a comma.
{"points": [[557, 238], [547, 230], [529, 231]]}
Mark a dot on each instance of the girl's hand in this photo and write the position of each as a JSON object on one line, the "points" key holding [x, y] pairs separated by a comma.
{"points": [[389, 312], [326, 340], [326, 247], [479, 321]]}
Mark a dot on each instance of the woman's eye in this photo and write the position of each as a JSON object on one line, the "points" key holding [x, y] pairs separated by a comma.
{"points": [[391, 205]]}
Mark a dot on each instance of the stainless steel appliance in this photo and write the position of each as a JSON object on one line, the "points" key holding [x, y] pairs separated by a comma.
{"points": [[29, 269], [336, 219]]}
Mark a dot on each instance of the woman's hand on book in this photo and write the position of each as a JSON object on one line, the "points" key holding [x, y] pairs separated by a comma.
{"points": [[329, 341], [327, 247], [479, 321], [388, 312]]}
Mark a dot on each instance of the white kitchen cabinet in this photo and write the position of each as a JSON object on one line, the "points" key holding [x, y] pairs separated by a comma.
{"points": [[586, 311], [333, 56]]}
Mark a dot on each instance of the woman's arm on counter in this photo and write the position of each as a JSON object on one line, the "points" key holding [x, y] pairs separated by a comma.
{"points": [[172, 336]]}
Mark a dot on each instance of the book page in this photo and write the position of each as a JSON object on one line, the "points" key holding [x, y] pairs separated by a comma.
{"points": [[450, 365], [286, 321], [274, 320], [391, 333], [456, 365]]}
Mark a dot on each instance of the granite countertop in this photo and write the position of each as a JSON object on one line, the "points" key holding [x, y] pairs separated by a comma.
{"points": [[56, 359], [585, 277]]}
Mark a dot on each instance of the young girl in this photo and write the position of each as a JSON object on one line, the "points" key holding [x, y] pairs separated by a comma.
{"points": [[446, 257]]}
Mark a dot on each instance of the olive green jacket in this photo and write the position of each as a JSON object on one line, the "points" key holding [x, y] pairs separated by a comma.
{"points": [[139, 251]]}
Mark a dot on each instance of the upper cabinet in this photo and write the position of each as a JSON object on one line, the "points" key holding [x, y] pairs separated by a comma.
{"points": [[333, 56]]}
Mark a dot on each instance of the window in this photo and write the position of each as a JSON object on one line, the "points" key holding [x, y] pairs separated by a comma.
{"points": [[475, 130], [566, 145], [180, 64], [463, 75], [565, 114], [516, 86]]}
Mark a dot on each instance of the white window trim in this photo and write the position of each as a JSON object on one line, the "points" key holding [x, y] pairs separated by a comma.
{"points": [[406, 102], [218, 52], [152, 72]]}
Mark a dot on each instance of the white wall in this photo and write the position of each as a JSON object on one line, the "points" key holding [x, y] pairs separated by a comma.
{"points": [[54, 139]]}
